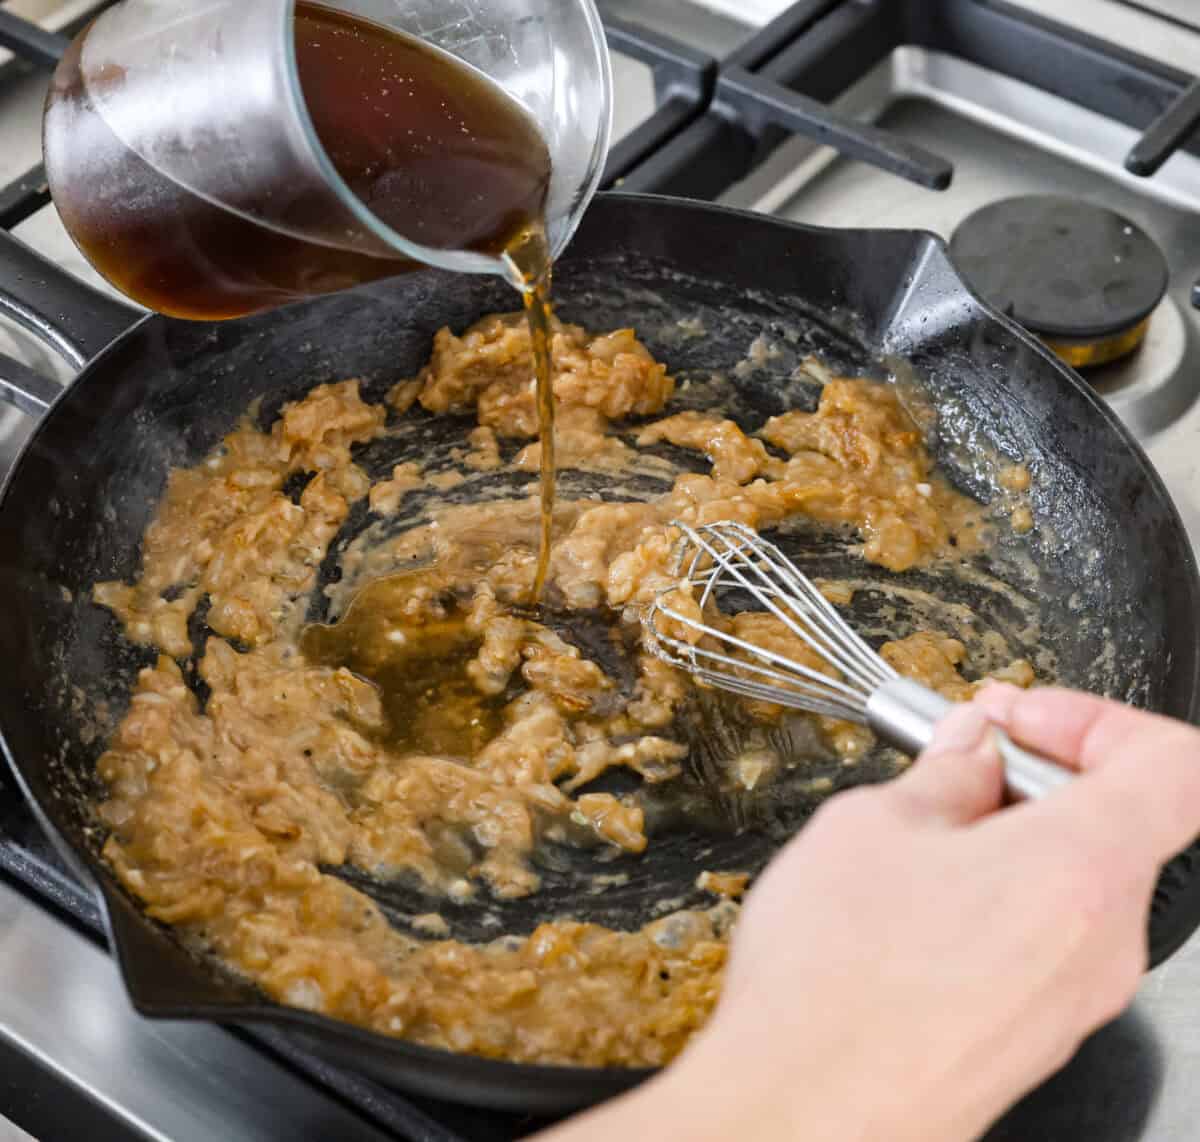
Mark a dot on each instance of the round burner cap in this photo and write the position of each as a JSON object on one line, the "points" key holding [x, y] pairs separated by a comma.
{"points": [[1062, 268]]}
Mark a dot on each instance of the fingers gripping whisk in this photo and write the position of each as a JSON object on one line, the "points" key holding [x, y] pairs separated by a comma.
{"points": [[727, 567]]}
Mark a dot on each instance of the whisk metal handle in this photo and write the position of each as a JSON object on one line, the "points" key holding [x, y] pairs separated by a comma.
{"points": [[905, 713]]}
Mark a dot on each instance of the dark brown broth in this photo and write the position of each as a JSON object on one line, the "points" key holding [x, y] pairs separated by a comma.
{"points": [[436, 150]]}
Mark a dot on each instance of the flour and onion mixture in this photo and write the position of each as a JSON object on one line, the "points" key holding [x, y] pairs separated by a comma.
{"points": [[441, 730]]}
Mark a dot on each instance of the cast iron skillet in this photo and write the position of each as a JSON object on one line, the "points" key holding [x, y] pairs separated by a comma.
{"points": [[1109, 564]]}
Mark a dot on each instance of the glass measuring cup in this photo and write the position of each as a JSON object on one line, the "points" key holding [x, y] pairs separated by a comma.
{"points": [[183, 159]]}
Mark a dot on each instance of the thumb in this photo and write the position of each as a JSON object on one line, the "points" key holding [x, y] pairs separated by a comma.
{"points": [[960, 776]]}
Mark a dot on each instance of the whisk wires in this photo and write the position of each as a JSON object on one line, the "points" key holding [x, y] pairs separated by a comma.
{"points": [[721, 557]]}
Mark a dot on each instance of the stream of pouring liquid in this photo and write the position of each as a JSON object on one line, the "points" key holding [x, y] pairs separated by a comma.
{"points": [[528, 260]]}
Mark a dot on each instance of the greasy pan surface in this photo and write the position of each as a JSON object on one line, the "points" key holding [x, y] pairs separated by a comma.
{"points": [[1108, 568]]}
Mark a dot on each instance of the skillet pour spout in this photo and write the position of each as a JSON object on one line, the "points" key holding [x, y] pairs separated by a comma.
{"points": [[1109, 562]]}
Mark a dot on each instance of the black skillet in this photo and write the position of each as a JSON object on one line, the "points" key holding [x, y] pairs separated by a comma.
{"points": [[1109, 565]]}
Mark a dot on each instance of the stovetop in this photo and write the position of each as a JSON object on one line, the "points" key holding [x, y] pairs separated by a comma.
{"points": [[717, 99]]}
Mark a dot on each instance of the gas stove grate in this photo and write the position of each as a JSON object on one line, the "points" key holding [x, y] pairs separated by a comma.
{"points": [[715, 121], [779, 82], [27, 193], [29, 41]]}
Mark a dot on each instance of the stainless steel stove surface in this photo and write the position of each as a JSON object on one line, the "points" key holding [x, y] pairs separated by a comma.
{"points": [[703, 96]]}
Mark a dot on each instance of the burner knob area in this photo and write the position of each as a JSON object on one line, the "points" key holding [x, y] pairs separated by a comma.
{"points": [[1081, 277]]}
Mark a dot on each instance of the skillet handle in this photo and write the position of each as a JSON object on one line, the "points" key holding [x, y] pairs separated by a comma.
{"points": [[67, 315]]}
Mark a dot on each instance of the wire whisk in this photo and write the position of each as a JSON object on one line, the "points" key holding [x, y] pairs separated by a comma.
{"points": [[726, 562]]}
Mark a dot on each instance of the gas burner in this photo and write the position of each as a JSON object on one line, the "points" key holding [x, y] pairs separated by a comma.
{"points": [[1082, 278]]}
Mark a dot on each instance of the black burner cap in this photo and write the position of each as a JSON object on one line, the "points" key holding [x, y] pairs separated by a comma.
{"points": [[1061, 268]]}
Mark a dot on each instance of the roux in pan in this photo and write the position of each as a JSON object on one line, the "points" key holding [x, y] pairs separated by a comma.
{"points": [[440, 730]]}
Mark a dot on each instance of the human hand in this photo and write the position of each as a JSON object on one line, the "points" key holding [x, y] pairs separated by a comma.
{"points": [[914, 961]]}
